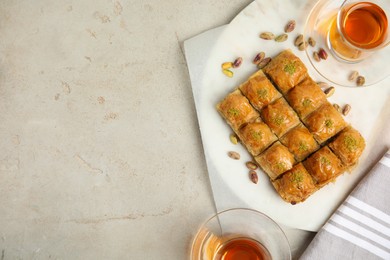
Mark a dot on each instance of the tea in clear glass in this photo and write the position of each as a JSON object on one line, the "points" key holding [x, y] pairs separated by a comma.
{"points": [[359, 27], [242, 249]]}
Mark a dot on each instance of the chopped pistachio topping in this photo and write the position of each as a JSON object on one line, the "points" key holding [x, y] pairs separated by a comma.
{"points": [[297, 177], [262, 93], [303, 147], [281, 166], [351, 143], [328, 123], [278, 120], [306, 102], [324, 160], [233, 112], [290, 68], [258, 135]]}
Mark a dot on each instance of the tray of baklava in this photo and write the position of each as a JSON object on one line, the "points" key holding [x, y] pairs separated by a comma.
{"points": [[292, 132]]}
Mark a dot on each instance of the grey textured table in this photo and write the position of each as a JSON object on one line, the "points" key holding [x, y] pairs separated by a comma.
{"points": [[101, 156]]}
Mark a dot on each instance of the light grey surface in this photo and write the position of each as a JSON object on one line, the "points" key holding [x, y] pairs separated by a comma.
{"points": [[101, 152]]}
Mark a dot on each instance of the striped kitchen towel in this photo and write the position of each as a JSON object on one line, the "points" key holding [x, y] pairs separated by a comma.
{"points": [[360, 228]]}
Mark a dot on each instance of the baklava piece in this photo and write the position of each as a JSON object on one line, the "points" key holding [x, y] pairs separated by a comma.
{"points": [[259, 90], [300, 142], [286, 70], [275, 160], [256, 137], [348, 146], [324, 166], [306, 97], [237, 110], [295, 185], [325, 122], [280, 117]]}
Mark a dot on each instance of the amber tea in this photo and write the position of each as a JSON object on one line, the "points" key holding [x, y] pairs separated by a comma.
{"points": [[242, 249], [364, 25], [358, 27], [240, 234]]}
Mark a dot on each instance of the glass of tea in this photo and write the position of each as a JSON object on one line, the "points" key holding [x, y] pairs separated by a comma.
{"points": [[240, 234], [359, 29], [352, 36]]}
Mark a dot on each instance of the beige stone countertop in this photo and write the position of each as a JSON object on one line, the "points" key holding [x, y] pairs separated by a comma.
{"points": [[101, 155]]}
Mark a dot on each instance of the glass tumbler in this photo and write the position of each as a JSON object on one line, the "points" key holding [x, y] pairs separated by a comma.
{"points": [[359, 29], [242, 234]]}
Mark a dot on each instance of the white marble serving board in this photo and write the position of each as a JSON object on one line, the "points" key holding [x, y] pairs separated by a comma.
{"points": [[229, 178]]}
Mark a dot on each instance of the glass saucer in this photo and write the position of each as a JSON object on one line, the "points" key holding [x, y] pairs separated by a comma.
{"points": [[375, 68]]}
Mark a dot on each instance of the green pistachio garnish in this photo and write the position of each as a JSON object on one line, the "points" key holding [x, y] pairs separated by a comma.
{"points": [[297, 177], [324, 160], [290, 68], [351, 143], [328, 123], [262, 93], [303, 147], [278, 120], [233, 112], [281, 166], [306, 102], [257, 135]]}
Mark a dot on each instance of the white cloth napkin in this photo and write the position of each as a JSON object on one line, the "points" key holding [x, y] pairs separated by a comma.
{"points": [[360, 228]]}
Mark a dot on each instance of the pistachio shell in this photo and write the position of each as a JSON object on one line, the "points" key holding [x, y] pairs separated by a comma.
{"points": [[267, 36], [228, 73], [281, 38], [234, 155]]}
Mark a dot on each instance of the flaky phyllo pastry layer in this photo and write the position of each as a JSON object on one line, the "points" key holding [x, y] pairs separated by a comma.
{"points": [[286, 123]]}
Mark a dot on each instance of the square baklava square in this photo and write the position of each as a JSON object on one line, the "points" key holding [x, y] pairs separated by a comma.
{"points": [[236, 110], [300, 142], [256, 137], [296, 185], [325, 122], [276, 160], [286, 70], [324, 166], [259, 90], [306, 97], [280, 117]]}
